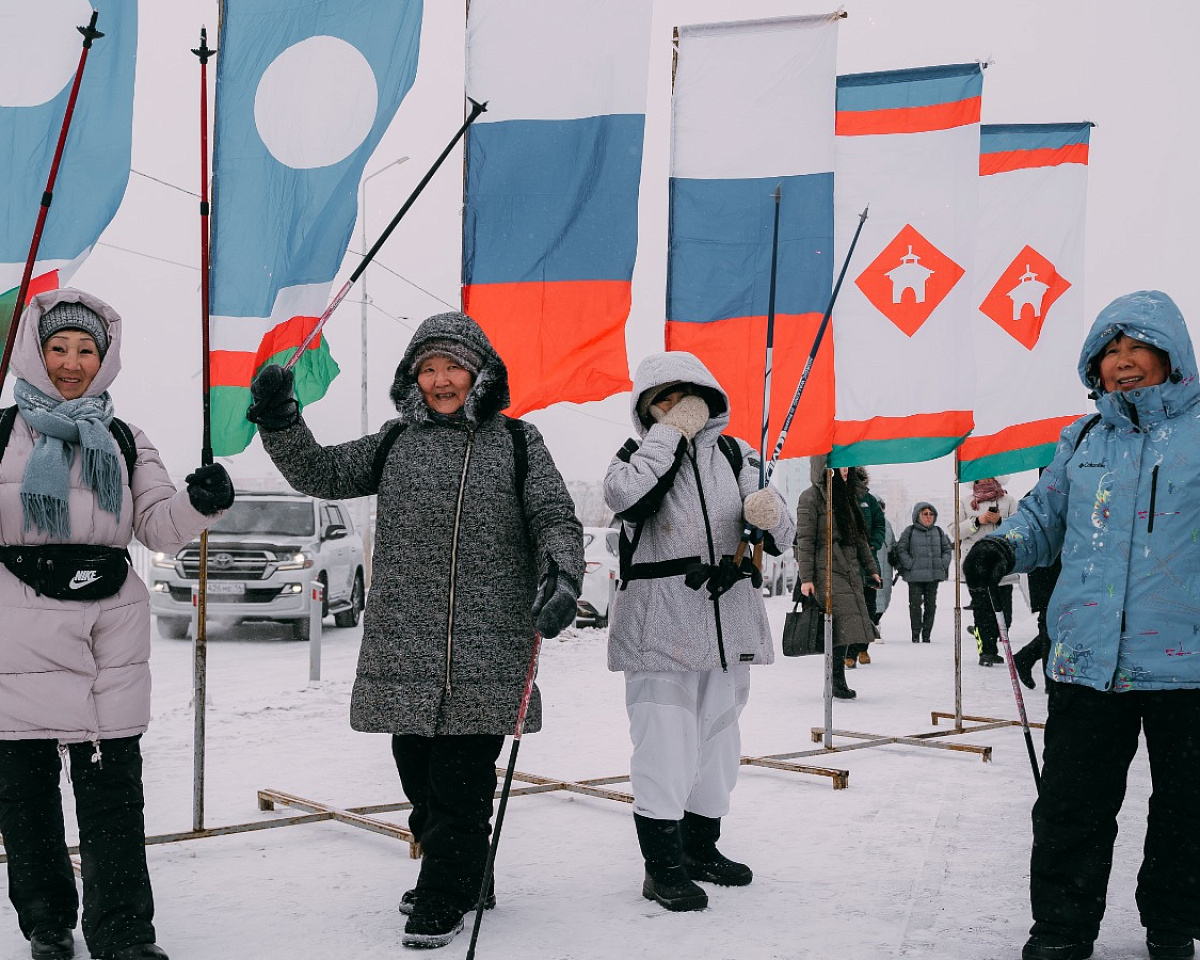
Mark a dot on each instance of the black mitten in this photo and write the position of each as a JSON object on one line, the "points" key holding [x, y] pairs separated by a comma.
{"points": [[988, 562], [210, 489], [555, 606], [273, 406]]}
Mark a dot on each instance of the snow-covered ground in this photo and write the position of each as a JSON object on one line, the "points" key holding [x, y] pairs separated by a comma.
{"points": [[924, 855]]}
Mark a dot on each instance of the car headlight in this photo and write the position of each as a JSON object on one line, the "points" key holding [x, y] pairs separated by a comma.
{"points": [[164, 560], [591, 566], [295, 561]]}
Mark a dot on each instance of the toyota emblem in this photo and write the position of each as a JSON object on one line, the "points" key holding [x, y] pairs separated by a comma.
{"points": [[222, 560]]}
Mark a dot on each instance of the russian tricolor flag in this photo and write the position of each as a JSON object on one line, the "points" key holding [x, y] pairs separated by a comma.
{"points": [[1028, 284], [753, 108], [908, 146], [553, 169]]}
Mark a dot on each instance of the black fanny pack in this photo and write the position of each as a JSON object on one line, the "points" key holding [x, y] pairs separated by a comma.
{"points": [[68, 571]]}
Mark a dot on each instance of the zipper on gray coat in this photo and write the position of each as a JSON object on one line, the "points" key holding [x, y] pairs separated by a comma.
{"points": [[462, 487], [712, 557]]}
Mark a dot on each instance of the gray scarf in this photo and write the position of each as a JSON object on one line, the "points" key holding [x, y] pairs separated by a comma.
{"points": [[63, 424]]}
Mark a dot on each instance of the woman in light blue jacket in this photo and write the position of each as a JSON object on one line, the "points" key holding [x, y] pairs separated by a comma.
{"points": [[1121, 501]]}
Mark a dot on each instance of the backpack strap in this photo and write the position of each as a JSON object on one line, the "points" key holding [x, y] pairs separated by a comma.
{"points": [[733, 453], [383, 450], [124, 437], [118, 428], [516, 432], [1092, 421]]}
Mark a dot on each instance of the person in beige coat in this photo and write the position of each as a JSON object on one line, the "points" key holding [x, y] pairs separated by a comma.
{"points": [[75, 629]]}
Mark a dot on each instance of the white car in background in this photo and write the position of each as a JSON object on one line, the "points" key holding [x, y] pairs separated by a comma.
{"points": [[599, 576], [779, 573]]}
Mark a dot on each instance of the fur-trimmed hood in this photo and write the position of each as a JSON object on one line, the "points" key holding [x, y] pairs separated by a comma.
{"points": [[488, 394]]}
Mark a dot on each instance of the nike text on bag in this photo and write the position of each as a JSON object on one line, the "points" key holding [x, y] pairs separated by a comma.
{"points": [[68, 571]]}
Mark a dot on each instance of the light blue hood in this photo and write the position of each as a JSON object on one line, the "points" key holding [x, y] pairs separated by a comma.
{"points": [[1152, 317]]}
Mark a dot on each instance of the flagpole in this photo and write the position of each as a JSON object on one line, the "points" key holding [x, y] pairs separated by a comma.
{"points": [[476, 109], [768, 364], [200, 647], [90, 33]]}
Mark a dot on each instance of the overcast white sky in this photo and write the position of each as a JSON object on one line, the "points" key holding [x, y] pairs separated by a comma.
{"points": [[1128, 68]]}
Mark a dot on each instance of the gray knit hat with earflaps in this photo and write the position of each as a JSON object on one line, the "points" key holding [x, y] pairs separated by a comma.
{"points": [[74, 316]]}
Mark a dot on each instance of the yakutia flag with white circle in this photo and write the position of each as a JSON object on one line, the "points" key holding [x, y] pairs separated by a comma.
{"points": [[39, 53], [304, 93]]}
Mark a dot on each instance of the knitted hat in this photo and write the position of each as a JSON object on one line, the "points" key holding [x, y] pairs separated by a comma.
{"points": [[74, 316], [454, 350]]}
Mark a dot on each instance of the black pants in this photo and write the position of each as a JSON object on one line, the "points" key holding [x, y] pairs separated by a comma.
{"points": [[118, 907], [922, 607], [984, 615], [450, 781], [1090, 740]]}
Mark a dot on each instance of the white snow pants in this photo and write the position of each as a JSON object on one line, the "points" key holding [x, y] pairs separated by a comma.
{"points": [[686, 741]]}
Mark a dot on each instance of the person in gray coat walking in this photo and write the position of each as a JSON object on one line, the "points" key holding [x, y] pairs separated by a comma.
{"points": [[474, 523], [683, 495], [925, 554]]}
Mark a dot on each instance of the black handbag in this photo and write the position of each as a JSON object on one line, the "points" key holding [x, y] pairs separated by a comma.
{"points": [[804, 629]]}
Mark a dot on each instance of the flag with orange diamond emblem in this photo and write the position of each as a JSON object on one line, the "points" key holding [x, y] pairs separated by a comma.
{"points": [[907, 147], [1028, 281]]}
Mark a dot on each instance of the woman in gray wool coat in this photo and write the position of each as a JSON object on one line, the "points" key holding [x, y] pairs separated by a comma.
{"points": [[683, 495], [460, 554]]}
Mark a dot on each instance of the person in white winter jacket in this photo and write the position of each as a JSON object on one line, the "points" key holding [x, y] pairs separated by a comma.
{"points": [[980, 513], [684, 627], [76, 485]]}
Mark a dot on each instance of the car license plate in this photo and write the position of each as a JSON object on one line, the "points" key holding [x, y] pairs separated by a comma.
{"points": [[217, 586]]}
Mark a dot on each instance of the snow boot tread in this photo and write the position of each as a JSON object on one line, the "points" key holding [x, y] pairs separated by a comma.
{"points": [[1166, 945]]}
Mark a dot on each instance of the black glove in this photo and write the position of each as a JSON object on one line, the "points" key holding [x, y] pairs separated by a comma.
{"points": [[988, 562], [210, 489], [555, 606], [274, 406]]}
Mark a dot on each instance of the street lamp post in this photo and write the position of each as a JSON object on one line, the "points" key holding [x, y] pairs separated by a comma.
{"points": [[368, 534]]}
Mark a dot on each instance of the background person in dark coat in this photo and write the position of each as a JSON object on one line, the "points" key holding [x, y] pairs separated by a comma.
{"points": [[925, 555], [876, 525], [851, 555], [450, 619]]}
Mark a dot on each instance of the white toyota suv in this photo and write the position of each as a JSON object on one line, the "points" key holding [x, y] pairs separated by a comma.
{"points": [[262, 556]]}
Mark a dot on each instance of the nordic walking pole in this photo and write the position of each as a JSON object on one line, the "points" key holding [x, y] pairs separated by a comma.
{"points": [[476, 109], [1012, 675], [812, 354], [90, 33], [489, 867], [200, 646]]}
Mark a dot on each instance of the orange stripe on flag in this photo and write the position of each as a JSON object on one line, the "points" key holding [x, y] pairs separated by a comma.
{"points": [[1017, 437], [938, 116], [560, 341], [734, 351], [236, 368], [949, 423], [1002, 162]]}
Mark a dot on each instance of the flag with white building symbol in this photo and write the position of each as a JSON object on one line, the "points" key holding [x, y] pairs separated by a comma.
{"points": [[1028, 285], [908, 146], [305, 91]]}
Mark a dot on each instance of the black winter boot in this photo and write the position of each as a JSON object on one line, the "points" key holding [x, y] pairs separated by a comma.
{"points": [[51, 943], [840, 690], [701, 858], [1164, 944], [666, 880]]}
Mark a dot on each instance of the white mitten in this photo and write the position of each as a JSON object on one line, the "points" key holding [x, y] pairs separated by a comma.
{"points": [[688, 416], [763, 508]]}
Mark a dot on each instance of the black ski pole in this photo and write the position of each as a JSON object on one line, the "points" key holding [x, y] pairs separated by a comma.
{"points": [[1016, 685], [476, 109], [489, 867], [812, 354]]}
